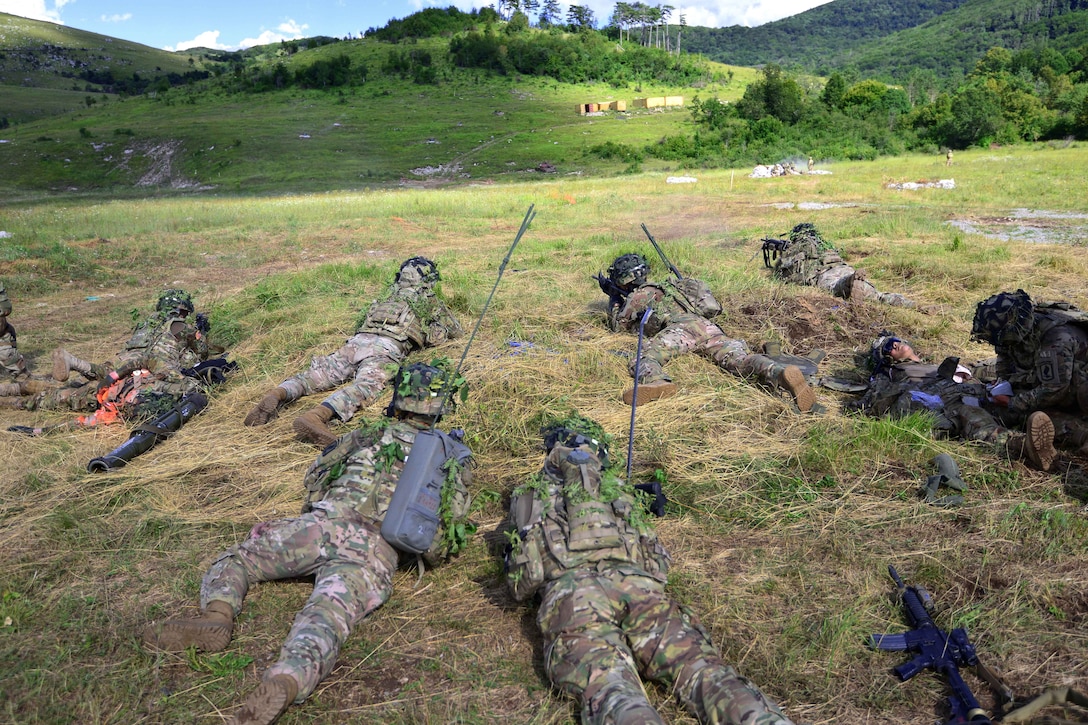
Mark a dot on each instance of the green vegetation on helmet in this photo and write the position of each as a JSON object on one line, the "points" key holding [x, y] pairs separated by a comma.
{"points": [[428, 390], [629, 271], [576, 430], [806, 232], [1004, 318], [175, 300], [417, 271]]}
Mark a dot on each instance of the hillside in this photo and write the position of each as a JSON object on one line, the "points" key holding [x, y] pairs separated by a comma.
{"points": [[889, 40]]}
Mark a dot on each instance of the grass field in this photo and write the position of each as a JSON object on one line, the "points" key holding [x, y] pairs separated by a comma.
{"points": [[781, 525]]}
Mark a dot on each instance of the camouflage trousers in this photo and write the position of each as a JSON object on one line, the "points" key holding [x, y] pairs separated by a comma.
{"points": [[692, 334], [370, 361], [81, 397], [841, 281], [12, 363], [601, 630], [353, 570]]}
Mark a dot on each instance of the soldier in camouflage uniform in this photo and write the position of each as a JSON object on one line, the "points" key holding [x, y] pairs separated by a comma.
{"points": [[338, 539], [902, 384], [811, 261], [151, 374], [681, 323], [409, 317], [1042, 352], [581, 538], [15, 378]]}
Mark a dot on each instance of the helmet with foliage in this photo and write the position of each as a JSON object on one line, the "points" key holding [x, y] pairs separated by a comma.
{"points": [[1004, 318], [175, 300], [805, 232], [417, 271], [629, 271], [428, 390], [577, 430]]}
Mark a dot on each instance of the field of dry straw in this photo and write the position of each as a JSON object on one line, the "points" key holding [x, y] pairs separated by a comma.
{"points": [[781, 525]]}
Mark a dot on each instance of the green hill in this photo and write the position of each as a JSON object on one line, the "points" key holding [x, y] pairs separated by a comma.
{"points": [[881, 39]]}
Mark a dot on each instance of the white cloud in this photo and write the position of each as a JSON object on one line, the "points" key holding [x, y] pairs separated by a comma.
{"points": [[207, 39], [289, 30], [34, 9], [116, 18]]}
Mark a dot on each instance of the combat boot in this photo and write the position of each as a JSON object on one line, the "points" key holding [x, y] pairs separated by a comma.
{"points": [[209, 632], [1039, 440], [793, 380], [648, 392], [266, 410], [265, 704], [312, 426], [65, 362]]}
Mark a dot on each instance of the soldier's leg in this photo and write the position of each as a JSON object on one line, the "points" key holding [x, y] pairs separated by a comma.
{"points": [[372, 375], [657, 351], [1070, 431], [325, 373], [734, 356], [672, 647], [355, 582], [586, 653], [274, 550], [65, 362]]}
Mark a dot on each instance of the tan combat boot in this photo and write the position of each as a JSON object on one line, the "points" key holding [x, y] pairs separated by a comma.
{"points": [[1039, 442], [65, 362], [312, 426], [209, 632], [648, 392], [793, 380], [265, 704], [266, 410]]}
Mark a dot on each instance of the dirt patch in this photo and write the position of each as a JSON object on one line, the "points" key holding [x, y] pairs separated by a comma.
{"points": [[1027, 225]]}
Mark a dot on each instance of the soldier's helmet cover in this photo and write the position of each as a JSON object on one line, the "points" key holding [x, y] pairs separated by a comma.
{"points": [[880, 352], [576, 431], [629, 271], [1003, 318], [416, 272], [428, 390], [175, 300]]}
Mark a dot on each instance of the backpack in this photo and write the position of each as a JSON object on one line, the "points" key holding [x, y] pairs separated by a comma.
{"points": [[694, 296]]}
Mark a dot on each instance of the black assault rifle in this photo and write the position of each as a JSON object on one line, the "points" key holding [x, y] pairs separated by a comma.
{"points": [[672, 267], [942, 651], [772, 250], [616, 295]]}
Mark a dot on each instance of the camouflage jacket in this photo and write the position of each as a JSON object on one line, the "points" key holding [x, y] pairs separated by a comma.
{"points": [[572, 515], [12, 364], [897, 398], [357, 476], [1050, 368], [803, 260], [165, 343], [673, 302], [412, 314]]}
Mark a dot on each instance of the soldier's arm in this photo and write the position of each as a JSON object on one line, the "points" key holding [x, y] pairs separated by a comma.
{"points": [[1054, 364], [443, 327]]}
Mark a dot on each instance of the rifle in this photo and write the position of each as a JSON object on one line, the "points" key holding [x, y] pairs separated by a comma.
{"points": [[660, 253], [652, 490], [942, 651], [772, 250], [144, 437]]}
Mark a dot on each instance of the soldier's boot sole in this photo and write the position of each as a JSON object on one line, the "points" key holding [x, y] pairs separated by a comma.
{"points": [[266, 410], [265, 704], [1039, 445], [649, 392], [61, 371], [310, 427], [794, 381], [210, 632]]}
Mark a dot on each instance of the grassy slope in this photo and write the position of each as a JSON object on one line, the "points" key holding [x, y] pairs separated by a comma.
{"points": [[781, 525], [370, 135]]}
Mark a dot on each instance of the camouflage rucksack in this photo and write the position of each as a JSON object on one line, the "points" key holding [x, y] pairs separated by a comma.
{"points": [[694, 296]]}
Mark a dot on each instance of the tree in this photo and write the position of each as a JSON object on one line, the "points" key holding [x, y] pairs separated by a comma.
{"points": [[549, 13], [581, 17], [834, 91]]}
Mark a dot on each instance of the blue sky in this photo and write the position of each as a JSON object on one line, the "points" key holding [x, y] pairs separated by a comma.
{"points": [[231, 25]]}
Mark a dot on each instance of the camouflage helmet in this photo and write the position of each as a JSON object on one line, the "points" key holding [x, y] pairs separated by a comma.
{"points": [[417, 271], [629, 271], [805, 232], [175, 300], [428, 390], [1003, 318], [577, 430]]}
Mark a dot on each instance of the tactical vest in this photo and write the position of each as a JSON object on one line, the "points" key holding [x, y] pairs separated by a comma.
{"points": [[12, 364], [803, 259], [152, 339], [694, 296], [1049, 315], [563, 523], [394, 317], [358, 475]]}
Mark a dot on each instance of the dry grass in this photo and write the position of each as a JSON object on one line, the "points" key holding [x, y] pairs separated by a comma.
{"points": [[781, 525]]}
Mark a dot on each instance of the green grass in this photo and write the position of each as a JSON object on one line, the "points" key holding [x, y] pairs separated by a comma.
{"points": [[781, 526]]}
